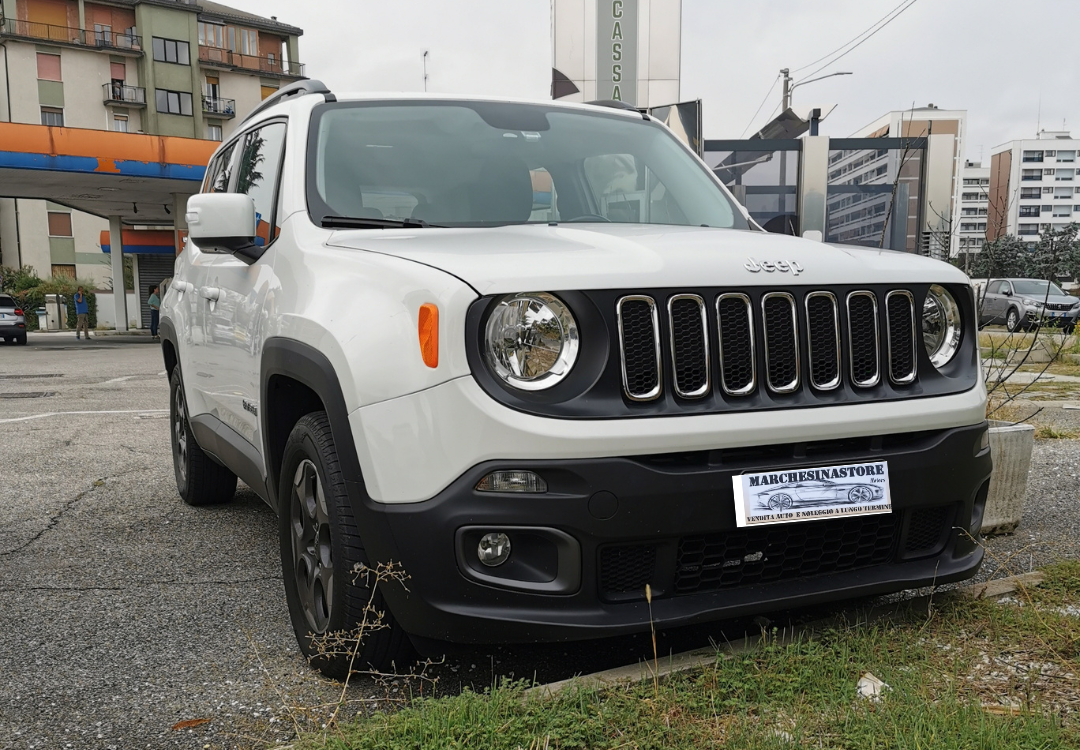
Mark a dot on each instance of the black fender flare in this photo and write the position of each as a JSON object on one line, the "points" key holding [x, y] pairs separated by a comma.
{"points": [[310, 367]]}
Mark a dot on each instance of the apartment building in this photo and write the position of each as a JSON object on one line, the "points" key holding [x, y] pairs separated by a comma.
{"points": [[1034, 186], [162, 67], [974, 207], [902, 198]]}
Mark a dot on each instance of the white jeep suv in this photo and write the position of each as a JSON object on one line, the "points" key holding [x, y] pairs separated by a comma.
{"points": [[535, 355]]}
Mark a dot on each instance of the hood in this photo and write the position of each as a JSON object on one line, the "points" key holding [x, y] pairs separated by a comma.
{"points": [[501, 260]]}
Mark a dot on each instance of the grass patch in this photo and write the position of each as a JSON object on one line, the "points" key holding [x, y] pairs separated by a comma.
{"points": [[967, 674], [1046, 432]]}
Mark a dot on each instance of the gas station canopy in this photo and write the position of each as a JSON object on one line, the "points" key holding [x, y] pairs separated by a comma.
{"points": [[138, 178]]}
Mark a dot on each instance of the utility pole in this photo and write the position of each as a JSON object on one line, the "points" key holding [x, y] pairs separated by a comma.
{"points": [[425, 71], [786, 103]]}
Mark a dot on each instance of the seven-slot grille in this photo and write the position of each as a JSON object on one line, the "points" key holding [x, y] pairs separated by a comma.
{"points": [[842, 338]]}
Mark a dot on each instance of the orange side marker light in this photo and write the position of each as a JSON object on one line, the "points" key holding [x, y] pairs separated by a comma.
{"points": [[428, 328]]}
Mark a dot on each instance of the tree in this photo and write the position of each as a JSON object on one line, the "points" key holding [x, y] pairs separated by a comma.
{"points": [[1005, 257]]}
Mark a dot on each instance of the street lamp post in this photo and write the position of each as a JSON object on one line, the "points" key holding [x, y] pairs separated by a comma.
{"points": [[789, 86]]}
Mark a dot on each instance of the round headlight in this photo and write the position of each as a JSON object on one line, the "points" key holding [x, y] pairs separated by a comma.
{"points": [[941, 325], [531, 340]]}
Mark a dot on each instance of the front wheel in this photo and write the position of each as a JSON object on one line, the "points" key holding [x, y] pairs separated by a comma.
{"points": [[1012, 320], [321, 552]]}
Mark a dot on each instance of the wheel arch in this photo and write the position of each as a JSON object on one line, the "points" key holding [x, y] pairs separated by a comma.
{"points": [[297, 379], [168, 345]]}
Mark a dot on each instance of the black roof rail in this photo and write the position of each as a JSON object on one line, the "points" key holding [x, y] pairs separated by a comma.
{"points": [[300, 88], [616, 104]]}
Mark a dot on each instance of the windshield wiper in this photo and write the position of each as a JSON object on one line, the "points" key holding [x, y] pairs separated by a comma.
{"points": [[359, 222]]}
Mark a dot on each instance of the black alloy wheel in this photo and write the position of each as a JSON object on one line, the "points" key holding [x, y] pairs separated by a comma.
{"points": [[321, 552], [199, 479]]}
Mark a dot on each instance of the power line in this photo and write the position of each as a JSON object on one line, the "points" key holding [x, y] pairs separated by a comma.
{"points": [[851, 41], [758, 110], [875, 31]]}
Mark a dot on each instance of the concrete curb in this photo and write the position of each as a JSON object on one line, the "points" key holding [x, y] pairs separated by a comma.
{"points": [[687, 660]]}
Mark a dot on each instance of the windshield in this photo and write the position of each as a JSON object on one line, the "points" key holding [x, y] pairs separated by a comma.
{"points": [[1034, 287], [491, 164]]}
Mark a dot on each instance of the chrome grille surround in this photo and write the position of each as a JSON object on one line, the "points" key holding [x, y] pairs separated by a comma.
{"points": [[707, 385], [772, 356], [655, 391], [892, 346], [748, 309], [876, 377], [833, 350]]}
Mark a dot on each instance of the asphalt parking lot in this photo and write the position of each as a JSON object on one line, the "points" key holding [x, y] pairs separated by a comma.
{"points": [[124, 612]]}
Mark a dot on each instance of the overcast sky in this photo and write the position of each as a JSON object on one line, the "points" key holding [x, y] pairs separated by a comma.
{"points": [[998, 59]]}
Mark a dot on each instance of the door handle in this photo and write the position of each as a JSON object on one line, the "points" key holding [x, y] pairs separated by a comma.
{"points": [[211, 293]]}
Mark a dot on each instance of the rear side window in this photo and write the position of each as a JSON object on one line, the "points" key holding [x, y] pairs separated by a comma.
{"points": [[219, 173], [6, 301], [260, 166]]}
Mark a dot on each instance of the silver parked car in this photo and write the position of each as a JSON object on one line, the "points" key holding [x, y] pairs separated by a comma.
{"points": [[12, 322], [1022, 303]]}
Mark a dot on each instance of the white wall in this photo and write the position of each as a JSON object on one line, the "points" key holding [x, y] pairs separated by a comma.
{"points": [[106, 317], [246, 90]]}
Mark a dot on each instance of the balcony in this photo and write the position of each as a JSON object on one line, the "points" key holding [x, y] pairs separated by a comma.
{"points": [[109, 40], [117, 93], [219, 107], [266, 65]]}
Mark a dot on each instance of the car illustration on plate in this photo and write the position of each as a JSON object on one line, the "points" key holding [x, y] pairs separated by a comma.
{"points": [[817, 492]]}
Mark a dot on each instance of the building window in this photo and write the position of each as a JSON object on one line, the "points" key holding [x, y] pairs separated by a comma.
{"points": [[53, 116], [213, 131], [1033, 156], [268, 91], [212, 87], [1031, 174], [64, 270], [1063, 175], [1029, 210], [1029, 229], [1061, 212], [1066, 156], [48, 67], [120, 123], [103, 35], [1030, 192], [212, 35], [172, 51], [173, 102], [59, 224]]}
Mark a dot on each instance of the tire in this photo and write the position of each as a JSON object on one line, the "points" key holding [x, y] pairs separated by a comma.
{"points": [[1012, 320], [21, 340], [320, 547], [200, 480]]}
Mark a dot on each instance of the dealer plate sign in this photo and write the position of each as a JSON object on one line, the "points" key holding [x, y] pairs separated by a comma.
{"points": [[789, 495]]}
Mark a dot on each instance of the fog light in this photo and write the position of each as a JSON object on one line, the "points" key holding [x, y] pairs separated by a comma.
{"points": [[512, 481], [494, 549]]}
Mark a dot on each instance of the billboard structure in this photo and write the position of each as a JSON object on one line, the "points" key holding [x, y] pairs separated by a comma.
{"points": [[627, 50]]}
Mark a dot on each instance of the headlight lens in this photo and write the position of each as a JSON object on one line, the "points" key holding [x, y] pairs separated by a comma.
{"points": [[941, 325], [531, 340]]}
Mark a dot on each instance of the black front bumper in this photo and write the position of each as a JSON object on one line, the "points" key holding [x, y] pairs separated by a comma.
{"points": [[583, 552]]}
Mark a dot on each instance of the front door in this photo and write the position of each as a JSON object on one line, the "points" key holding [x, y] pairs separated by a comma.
{"points": [[234, 291]]}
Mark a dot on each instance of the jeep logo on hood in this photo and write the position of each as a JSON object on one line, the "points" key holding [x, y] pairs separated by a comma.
{"points": [[768, 266]]}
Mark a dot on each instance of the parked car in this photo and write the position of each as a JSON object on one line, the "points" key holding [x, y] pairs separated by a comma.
{"points": [[535, 408], [1020, 304], [12, 321]]}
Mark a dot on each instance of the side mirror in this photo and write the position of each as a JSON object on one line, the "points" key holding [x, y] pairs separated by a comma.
{"points": [[223, 223], [1006, 292]]}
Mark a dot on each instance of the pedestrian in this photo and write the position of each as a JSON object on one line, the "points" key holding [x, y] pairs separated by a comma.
{"points": [[82, 314], [155, 310]]}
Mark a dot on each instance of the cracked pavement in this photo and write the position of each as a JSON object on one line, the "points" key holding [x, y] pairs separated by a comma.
{"points": [[124, 611]]}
